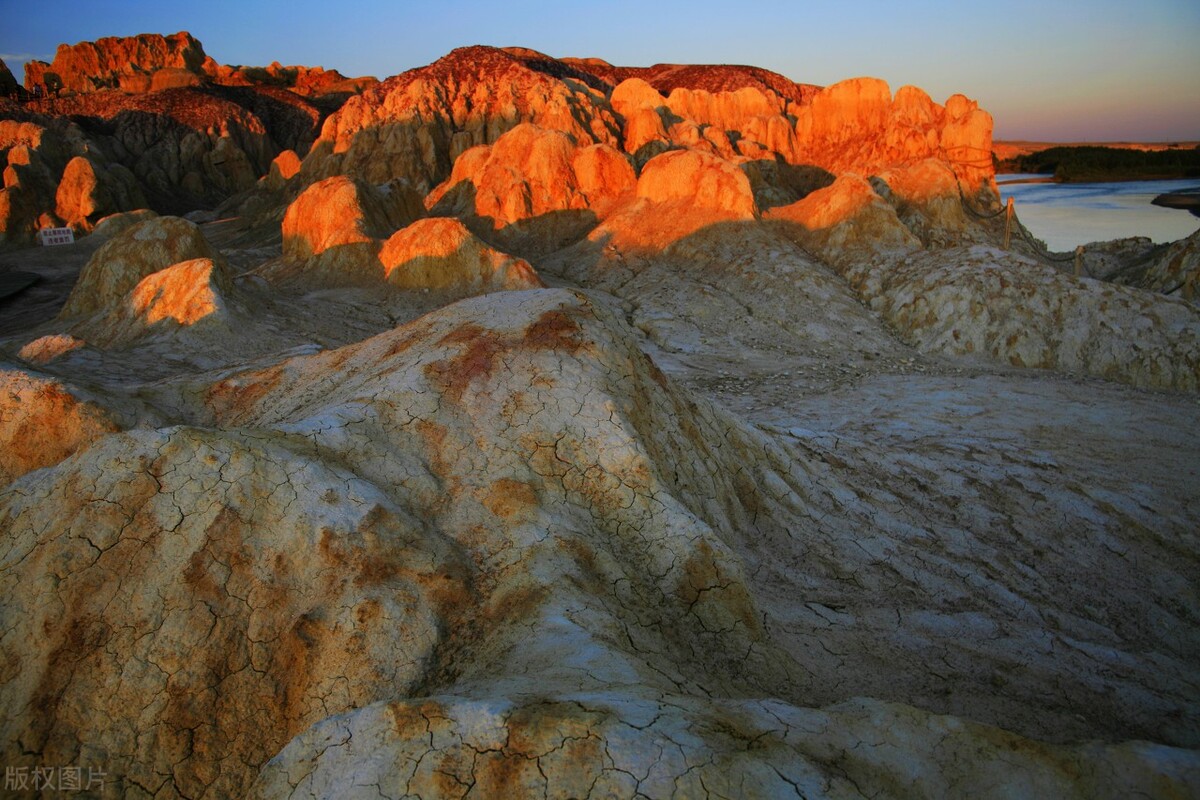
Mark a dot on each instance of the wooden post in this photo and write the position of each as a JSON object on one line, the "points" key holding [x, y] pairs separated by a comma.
{"points": [[1008, 216], [1079, 261]]}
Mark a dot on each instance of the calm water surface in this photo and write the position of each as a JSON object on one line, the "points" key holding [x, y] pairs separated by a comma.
{"points": [[1065, 215]]}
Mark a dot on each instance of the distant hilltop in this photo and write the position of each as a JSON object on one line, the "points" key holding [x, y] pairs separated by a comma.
{"points": [[1010, 149], [151, 62], [1082, 163]]}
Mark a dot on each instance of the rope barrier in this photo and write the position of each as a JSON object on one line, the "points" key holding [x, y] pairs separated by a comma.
{"points": [[1043, 251], [1008, 209], [1187, 285]]}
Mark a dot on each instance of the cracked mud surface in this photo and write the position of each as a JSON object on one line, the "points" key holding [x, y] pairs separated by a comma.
{"points": [[600, 543]]}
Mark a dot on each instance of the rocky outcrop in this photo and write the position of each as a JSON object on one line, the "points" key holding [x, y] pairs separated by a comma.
{"points": [[123, 261], [283, 168], [633, 95], [113, 61], [773, 504], [442, 255], [700, 180], [190, 293], [707, 121], [926, 198], [189, 143], [323, 86], [666, 78], [845, 222], [45, 349], [1175, 271], [336, 227], [43, 420], [8, 84], [534, 186], [466, 552], [34, 156], [679, 194], [89, 191], [174, 150], [361, 556], [857, 125], [188, 148], [414, 125], [983, 301], [726, 111], [341, 211], [987, 302], [116, 223], [235, 678]]}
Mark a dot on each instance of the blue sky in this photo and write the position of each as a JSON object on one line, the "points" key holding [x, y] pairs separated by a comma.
{"points": [[1057, 71]]}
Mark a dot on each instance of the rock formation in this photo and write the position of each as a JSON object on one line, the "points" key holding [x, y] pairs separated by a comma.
{"points": [[857, 125], [847, 222], [414, 125], [978, 301], [185, 294], [42, 421], [703, 181], [796, 483], [327, 89], [89, 191], [8, 84], [441, 254], [116, 223], [191, 132], [1175, 270], [534, 185], [110, 62], [35, 156], [335, 227], [138, 252]]}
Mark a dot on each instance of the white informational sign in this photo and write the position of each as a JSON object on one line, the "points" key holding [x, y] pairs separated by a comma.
{"points": [[49, 236]]}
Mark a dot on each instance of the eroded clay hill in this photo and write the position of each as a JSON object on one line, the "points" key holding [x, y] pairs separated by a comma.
{"points": [[150, 121], [556, 429]]}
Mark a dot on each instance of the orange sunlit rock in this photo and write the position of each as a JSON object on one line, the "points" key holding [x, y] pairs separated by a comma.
{"points": [[703, 180], [535, 183], [314, 82], [104, 63], [467, 98], [123, 261], [634, 95], [441, 254], [45, 349], [184, 293], [856, 125], [283, 168], [846, 220], [89, 191], [341, 211]]}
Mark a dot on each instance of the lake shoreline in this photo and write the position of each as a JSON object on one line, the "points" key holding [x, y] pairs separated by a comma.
{"points": [[1066, 215], [1106, 179]]}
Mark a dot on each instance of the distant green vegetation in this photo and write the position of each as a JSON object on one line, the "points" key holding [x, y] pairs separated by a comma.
{"points": [[1080, 164]]}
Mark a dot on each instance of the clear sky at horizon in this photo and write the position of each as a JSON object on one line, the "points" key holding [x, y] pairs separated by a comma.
{"points": [[1104, 70]]}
